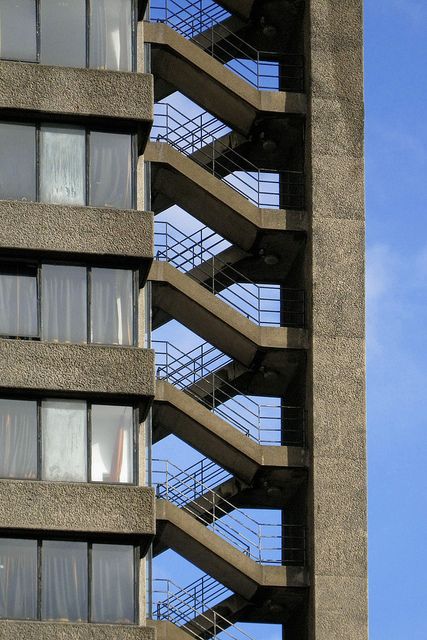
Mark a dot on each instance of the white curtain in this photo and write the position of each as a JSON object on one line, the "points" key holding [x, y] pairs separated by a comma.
{"points": [[112, 306], [64, 303], [64, 443], [64, 581], [18, 304], [111, 35], [113, 582], [112, 443], [18, 579], [18, 439], [62, 165], [111, 170]]}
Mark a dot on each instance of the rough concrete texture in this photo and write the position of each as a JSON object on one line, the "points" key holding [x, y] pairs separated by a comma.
{"points": [[76, 92], [77, 507], [338, 483], [82, 230], [70, 368], [60, 631]]}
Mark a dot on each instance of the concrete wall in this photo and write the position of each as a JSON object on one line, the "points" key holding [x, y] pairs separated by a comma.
{"points": [[77, 507], [76, 92], [76, 369], [337, 398], [56, 228], [61, 631]]}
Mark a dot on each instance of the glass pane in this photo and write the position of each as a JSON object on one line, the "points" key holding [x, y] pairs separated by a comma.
{"points": [[111, 170], [112, 443], [62, 165], [64, 303], [18, 30], [64, 448], [17, 161], [111, 35], [63, 32], [18, 579], [113, 583], [112, 306], [64, 581], [18, 439], [18, 303]]}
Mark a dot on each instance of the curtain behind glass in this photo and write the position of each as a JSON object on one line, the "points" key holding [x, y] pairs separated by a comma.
{"points": [[110, 170], [17, 161], [62, 164], [64, 581], [112, 306], [64, 448], [64, 303], [18, 304], [111, 35], [18, 579], [112, 443], [18, 30], [18, 439], [113, 583], [63, 32]]}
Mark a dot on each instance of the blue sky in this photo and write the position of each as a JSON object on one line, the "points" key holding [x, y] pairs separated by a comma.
{"points": [[396, 163]]}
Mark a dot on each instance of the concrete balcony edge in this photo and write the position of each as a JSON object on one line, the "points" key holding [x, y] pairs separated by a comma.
{"points": [[111, 510], [82, 93], [35, 630], [36, 227], [72, 369]]}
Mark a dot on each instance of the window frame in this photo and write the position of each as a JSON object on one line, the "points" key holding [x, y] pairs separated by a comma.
{"points": [[87, 129], [89, 403], [37, 268], [89, 544], [133, 37]]}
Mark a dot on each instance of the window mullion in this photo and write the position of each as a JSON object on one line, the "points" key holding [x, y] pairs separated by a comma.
{"points": [[89, 441], [88, 33], [39, 441], [89, 581], [39, 579], [38, 28], [89, 303]]}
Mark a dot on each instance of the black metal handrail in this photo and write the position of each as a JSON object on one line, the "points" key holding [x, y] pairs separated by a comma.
{"points": [[199, 138]]}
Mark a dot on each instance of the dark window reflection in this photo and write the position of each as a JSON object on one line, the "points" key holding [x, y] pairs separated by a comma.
{"points": [[18, 30], [113, 583], [18, 439], [64, 581], [17, 161], [63, 32], [18, 579]]}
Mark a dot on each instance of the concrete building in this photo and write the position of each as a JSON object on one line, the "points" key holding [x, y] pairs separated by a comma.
{"points": [[258, 137]]}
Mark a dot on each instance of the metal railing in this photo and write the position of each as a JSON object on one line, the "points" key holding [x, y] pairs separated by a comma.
{"points": [[200, 139], [181, 605], [173, 604], [266, 305], [204, 473], [198, 373], [265, 543], [204, 23]]}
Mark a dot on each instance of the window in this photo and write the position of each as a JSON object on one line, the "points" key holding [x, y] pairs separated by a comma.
{"points": [[52, 580], [67, 440], [62, 164], [51, 302], [99, 34]]}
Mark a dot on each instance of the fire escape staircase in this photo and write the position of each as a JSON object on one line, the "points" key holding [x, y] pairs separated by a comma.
{"points": [[238, 283]]}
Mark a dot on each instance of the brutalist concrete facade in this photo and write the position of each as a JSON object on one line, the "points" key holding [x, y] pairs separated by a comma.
{"points": [[35, 232], [323, 367]]}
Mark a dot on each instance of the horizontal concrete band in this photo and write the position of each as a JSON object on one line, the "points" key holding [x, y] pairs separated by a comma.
{"points": [[10, 630], [76, 369], [33, 505], [57, 228], [76, 92]]}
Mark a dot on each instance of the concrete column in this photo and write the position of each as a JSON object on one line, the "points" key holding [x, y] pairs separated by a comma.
{"points": [[336, 371]]}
